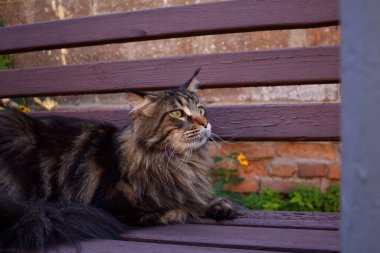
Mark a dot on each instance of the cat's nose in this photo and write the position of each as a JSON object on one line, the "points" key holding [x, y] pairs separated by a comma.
{"points": [[201, 120]]}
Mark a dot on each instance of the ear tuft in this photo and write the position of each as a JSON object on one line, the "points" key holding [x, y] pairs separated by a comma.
{"points": [[192, 83], [140, 93], [139, 98]]}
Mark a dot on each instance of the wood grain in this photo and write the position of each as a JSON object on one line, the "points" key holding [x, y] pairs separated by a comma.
{"points": [[293, 240], [111, 246], [280, 219], [227, 236], [191, 20], [258, 68], [251, 122], [277, 122]]}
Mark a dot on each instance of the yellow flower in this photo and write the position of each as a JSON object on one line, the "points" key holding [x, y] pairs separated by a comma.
{"points": [[23, 108], [242, 159]]}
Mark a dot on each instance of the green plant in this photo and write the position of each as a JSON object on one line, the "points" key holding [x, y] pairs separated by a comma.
{"points": [[271, 200], [223, 177], [252, 201], [5, 61], [331, 200], [267, 199], [305, 198], [302, 198]]}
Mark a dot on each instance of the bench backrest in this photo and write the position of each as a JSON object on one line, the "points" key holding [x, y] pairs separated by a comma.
{"points": [[309, 65]]}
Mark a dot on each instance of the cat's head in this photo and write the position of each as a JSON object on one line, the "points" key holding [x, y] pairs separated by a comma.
{"points": [[170, 119]]}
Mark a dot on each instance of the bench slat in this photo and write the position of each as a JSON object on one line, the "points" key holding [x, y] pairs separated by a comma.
{"points": [[294, 240], [277, 122], [258, 68], [280, 219], [107, 246], [251, 122], [191, 20]]}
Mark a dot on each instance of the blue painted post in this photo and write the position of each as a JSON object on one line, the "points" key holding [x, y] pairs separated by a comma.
{"points": [[360, 131]]}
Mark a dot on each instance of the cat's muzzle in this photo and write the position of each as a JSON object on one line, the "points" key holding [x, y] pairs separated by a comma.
{"points": [[198, 136]]}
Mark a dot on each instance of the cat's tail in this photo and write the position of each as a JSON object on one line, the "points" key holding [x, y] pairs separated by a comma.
{"points": [[39, 226]]}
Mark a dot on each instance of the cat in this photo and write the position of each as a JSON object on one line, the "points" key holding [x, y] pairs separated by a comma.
{"points": [[66, 179]]}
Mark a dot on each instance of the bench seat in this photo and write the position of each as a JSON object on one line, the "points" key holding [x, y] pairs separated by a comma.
{"points": [[251, 231]]}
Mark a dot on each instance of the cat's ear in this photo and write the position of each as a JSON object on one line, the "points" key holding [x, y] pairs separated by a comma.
{"points": [[139, 98], [192, 83]]}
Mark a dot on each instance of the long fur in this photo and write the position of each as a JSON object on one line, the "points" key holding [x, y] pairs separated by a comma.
{"points": [[64, 179], [33, 226]]}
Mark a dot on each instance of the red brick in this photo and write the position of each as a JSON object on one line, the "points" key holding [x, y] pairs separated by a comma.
{"points": [[334, 171], [227, 164], [286, 185], [325, 183], [321, 150], [308, 170], [213, 149], [283, 168], [250, 184], [252, 150], [258, 168]]}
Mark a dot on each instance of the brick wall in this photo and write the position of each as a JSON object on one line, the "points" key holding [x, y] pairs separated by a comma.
{"points": [[279, 165], [282, 165]]}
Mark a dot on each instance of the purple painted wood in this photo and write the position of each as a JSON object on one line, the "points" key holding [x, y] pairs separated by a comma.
{"points": [[251, 231], [280, 219], [276, 122], [228, 236], [118, 117], [251, 122], [199, 19], [260, 68], [239, 237], [109, 246]]}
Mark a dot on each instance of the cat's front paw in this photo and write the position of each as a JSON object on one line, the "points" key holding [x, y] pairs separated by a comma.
{"points": [[221, 208], [149, 219], [174, 216]]}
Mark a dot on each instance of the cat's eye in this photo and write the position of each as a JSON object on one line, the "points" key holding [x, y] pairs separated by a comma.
{"points": [[176, 114], [201, 111]]}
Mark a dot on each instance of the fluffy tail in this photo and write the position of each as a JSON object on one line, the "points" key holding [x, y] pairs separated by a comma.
{"points": [[40, 226]]}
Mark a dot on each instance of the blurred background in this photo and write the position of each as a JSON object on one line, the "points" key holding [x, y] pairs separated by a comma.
{"points": [[260, 175]]}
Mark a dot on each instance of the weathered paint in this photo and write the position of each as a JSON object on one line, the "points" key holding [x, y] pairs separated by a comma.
{"points": [[360, 73]]}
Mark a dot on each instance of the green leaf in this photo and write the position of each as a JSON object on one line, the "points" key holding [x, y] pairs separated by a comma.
{"points": [[220, 170], [232, 155], [252, 201], [332, 199], [218, 159], [235, 180], [5, 61], [233, 171], [218, 185], [306, 198]]}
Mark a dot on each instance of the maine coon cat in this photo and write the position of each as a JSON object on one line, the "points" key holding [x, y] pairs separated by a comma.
{"points": [[66, 179]]}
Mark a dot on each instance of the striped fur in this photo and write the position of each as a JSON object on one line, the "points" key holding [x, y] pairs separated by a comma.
{"points": [[154, 171]]}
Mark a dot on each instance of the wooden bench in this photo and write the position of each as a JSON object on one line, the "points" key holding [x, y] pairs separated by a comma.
{"points": [[251, 231]]}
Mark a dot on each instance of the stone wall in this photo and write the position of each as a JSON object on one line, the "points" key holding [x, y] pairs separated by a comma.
{"points": [[279, 165]]}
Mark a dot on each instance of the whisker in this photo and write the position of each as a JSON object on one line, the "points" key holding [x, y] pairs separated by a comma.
{"points": [[217, 137], [218, 146], [228, 140], [172, 151]]}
